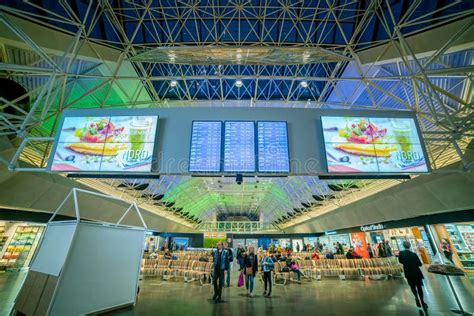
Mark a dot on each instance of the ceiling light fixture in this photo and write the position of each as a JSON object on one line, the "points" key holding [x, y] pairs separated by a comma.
{"points": [[239, 83], [173, 83], [304, 84]]}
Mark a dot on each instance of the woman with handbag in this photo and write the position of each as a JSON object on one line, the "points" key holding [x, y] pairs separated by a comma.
{"points": [[250, 267]]}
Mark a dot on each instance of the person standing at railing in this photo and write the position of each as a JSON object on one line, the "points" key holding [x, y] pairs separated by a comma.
{"points": [[221, 261]]}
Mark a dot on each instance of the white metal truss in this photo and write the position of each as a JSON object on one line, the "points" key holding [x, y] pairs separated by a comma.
{"points": [[94, 69], [236, 227]]}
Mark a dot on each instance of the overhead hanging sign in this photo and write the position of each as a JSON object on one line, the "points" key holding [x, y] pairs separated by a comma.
{"points": [[105, 143], [272, 145], [372, 145], [206, 143]]}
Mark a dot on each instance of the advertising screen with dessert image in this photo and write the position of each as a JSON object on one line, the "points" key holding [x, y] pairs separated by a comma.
{"points": [[372, 145], [105, 144]]}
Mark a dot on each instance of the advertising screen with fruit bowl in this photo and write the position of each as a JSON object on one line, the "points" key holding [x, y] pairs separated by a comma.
{"points": [[372, 145], [105, 144]]}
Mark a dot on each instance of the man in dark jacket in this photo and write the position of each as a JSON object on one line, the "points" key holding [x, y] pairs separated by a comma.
{"points": [[221, 262], [230, 259], [411, 268], [240, 255]]}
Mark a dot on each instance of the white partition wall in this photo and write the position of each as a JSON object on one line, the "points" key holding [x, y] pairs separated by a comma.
{"points": [[83, 267]]}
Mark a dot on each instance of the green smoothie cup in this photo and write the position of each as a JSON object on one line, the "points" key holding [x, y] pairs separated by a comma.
{"points": [[139, 130], [402, 132]]}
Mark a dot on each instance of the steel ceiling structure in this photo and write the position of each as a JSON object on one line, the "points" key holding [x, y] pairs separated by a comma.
{"points": [[100, 67]]}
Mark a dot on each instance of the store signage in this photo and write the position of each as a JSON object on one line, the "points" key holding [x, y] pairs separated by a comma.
{"points": [[372, 227], [330, 232]]}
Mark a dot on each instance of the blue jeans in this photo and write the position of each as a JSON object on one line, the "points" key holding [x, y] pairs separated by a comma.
{"points": [[241, 262], [298, 272], [228, 274], [249, 282]]}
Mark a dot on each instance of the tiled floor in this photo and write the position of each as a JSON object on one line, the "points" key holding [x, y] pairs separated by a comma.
{"points": [[10, 283], [326, 297]]}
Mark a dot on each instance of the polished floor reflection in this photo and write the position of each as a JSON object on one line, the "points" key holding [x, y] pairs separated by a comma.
{"points": [[326, 297]]}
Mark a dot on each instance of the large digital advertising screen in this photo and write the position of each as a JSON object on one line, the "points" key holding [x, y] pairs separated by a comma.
{"points": [[372, 145], [205, 152], [239, 146], [118, 144], [272, 145]]}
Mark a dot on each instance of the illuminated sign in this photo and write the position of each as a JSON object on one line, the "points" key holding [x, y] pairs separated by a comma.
{"points": [[117, 144], [372, 145], [372, 227]]}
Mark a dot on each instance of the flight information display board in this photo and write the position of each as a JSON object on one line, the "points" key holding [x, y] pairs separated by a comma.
{"points": [[272, 137], [372, 145], [107, 143], [205, 152], [239, 146]]}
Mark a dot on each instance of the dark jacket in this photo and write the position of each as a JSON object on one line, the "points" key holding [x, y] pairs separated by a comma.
{"points": [[248, 263], [224, 260], [411, 265], [240, 253]]}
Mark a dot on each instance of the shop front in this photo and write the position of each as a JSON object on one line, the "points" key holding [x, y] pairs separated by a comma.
{"points": [[331, 238], [460, 237], [417, 236], [18, 243]]}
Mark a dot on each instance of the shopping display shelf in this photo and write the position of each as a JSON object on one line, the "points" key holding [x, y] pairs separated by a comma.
{"points": [[18, 250]]}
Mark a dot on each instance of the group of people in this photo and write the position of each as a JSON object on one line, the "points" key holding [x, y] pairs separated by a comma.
{"points": [[248, 261], [248, 265], [383, 249]]}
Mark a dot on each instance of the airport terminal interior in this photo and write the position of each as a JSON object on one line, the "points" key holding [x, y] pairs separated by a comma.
{"points": [[243, 157]]}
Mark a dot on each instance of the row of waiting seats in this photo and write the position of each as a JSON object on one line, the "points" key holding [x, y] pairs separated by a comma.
{"points": [[188, 270], [342, 269], [186, 255], [309, 254]]}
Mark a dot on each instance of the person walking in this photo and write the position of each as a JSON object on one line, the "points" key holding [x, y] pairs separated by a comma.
{"points": [[250, 266], [297, 247], [240, 255], [230, 259], [370, 250], [267, 266], [220, 264], [411, 267]]}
